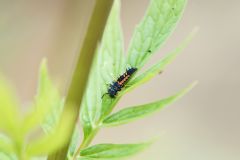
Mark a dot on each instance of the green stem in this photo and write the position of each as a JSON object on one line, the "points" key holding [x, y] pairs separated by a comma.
{"points": [[80, 75], [21, 154], [85, 143]]}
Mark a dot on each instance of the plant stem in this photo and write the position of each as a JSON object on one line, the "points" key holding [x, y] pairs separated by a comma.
{"points": [[85, 143], [80, 75]]}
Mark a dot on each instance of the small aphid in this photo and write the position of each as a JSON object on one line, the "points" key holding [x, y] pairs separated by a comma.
{"points": [[116, 86]]}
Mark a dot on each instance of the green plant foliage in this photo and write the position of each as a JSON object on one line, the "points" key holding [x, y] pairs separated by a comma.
{"points": [[49, 143], [110, 62], [132, 113], [159, 21], [4, 156], [6, 146], [18, 140], [112, 150], [47, 101], [159, 66], [17, 129], [8, 108]]}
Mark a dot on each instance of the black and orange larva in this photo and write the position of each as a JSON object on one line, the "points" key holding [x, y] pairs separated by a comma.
{"points": [[116, 86]]}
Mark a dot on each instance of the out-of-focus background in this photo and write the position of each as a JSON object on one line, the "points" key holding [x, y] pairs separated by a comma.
{"points": [[205, 124]]}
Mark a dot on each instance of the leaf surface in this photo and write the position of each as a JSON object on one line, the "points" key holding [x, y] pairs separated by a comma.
{"points": [[47, 106], [159, 66], [6, 146], [109, 63], [113, 150], [157, 24], [132, 113], [9, 113], [49, 143]]}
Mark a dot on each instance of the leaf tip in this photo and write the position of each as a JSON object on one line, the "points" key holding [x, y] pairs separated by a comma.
{"points": [[193, 33], [190, 87], [43, 65], [193, 84]]}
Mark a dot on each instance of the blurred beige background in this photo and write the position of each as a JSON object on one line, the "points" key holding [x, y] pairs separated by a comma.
{"points": [[204, 125]]}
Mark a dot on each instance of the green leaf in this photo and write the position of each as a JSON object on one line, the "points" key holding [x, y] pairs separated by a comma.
{"points": [[52, 118], [47, 106], [87, 158], [159, 66], [9, 113], [132, 113], [49, 143], [109, 63], [159, 21], [4, 156], [6, 146], [112, 150]]}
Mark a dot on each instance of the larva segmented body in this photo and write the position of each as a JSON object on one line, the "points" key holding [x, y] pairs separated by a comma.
{"points": [[116, 86]]}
